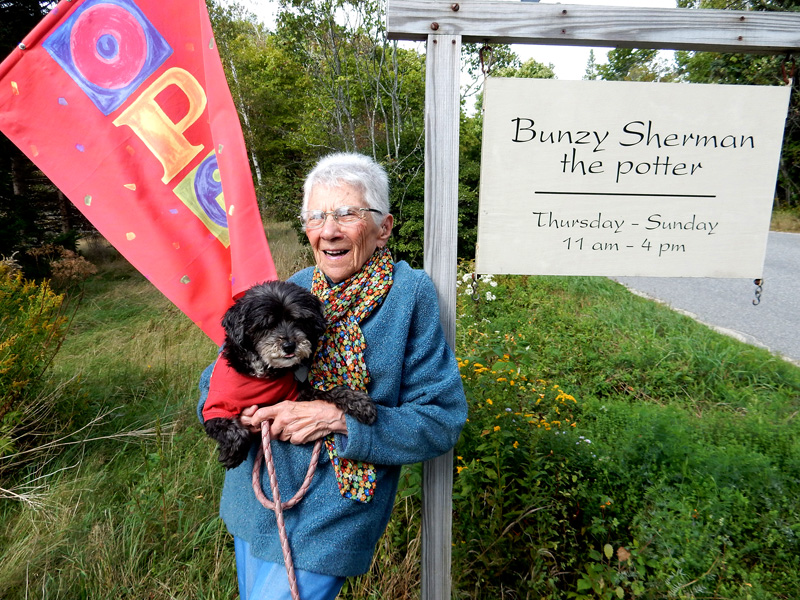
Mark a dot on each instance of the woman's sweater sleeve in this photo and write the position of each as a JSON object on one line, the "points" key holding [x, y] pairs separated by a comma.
{"points": [[431, 408], [205, 383]]}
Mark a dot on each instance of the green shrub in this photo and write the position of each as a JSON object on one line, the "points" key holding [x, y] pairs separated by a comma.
{"points": [[32, 327], [675, 473], [519, 464]]}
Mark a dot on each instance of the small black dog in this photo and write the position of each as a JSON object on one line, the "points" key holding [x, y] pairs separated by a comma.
{"points": [[272, 332]]}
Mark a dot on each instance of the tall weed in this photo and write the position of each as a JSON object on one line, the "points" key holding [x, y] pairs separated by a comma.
{"points": [[32, 327]]}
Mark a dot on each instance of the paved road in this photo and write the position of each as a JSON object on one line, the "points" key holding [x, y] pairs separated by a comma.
{"points": [[727, 304]]}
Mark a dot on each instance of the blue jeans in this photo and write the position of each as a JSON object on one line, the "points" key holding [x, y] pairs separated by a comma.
{"points": [[262, 580]]}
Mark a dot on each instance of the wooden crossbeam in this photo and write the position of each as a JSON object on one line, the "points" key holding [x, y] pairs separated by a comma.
{"points": [[575, 25]]}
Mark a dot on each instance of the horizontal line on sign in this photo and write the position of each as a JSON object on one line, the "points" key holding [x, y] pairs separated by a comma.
{"points": [[628, 194]]}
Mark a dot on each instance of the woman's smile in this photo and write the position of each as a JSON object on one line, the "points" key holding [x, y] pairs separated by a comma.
{"points": [[341, 250]]}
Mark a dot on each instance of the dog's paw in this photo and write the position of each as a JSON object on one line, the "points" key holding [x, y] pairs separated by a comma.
{"points": [[232, 438], [355, 403], [363, 408], [233, 455]]}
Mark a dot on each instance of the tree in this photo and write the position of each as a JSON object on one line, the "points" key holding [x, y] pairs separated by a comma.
{"points": [[591, 67], [17, 18], [627, 64], [480, 62], [272, 92], [364, 94], [31, 208], [471, 128], [750, 69]]}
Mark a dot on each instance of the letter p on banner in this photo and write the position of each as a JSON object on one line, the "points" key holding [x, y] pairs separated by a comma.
{"points": [[126, 109]]}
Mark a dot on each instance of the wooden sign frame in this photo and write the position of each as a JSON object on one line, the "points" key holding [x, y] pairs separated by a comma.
{"points": [[445, 25]]}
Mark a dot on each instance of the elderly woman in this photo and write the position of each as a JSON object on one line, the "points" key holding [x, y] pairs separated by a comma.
{"points": [[384, 336]]}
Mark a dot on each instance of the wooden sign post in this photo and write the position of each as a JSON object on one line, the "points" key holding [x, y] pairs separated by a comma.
{"points": [[444, 25]]}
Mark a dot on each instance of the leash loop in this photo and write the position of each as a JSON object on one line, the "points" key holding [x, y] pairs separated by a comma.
{"points": [[265, 453]]}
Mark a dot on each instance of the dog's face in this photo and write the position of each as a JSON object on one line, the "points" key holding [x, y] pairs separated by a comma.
{"points": [[273, 326]]}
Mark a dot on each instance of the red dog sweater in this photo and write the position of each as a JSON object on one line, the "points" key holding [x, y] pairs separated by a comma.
{"points": [[231, 392]]}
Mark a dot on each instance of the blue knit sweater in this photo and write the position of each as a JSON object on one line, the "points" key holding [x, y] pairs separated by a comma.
{"points": [[421, 409]]}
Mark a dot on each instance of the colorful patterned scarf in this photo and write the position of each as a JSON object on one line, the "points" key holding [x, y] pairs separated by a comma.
{"points": [[340, 354]]}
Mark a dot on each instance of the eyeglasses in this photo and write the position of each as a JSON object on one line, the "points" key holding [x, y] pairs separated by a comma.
{"points": [[344, 215]]}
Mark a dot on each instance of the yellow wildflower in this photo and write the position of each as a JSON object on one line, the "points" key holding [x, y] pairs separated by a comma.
{"points": [[497, 427]]}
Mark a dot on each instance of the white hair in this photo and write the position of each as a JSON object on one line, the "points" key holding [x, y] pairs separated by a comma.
{"points": [[357, 170]]}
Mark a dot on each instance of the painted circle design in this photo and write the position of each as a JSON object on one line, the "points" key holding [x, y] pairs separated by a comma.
{"points": [[108, 46], [207, 186]]}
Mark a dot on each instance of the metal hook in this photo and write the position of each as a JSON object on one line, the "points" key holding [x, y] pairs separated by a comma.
{"points": [[484, 67], [788, 59], [759, 283]]}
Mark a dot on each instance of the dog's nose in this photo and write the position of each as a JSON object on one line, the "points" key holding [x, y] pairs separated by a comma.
{"points": [[288, 347]]}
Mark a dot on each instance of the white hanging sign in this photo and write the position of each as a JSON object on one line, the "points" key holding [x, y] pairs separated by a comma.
{"points": [[628, 179]]}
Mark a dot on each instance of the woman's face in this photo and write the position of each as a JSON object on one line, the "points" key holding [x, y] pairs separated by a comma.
{"points": [[341, 250]]}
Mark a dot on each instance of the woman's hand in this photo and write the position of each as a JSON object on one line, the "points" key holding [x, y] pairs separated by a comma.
{"points": [[296, 422]]}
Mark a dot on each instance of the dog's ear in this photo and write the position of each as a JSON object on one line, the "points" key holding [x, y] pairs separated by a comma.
{"points": [[264, 310], [305, 307], [313, 312], [233, 322]]}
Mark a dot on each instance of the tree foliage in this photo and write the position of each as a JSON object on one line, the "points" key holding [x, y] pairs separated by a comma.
{"points": [[365, 94], [327, 78], [272, 93], [31, 208], [751, 69], [626, 64]]}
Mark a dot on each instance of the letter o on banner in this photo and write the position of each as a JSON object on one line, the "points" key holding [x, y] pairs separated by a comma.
{"points": [[207, 188], [108, 48], [201, 192]]}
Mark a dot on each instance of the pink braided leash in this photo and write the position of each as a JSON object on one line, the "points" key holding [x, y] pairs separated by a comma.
{"points": [[265, 452]]}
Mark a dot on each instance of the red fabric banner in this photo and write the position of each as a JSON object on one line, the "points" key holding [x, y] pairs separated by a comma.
{"points": [[124, 105]]}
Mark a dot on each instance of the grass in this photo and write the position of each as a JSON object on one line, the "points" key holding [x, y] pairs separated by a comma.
{"points": [[124, 514], [129, 504], [685, 416], [693, 468], [786, 220]]}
